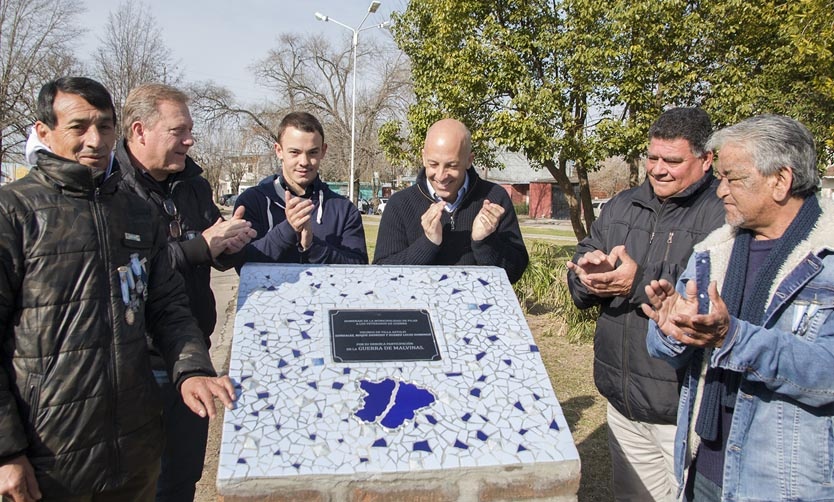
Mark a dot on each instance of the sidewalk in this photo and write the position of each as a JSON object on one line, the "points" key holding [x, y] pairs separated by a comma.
{"points": [[224, 285]]}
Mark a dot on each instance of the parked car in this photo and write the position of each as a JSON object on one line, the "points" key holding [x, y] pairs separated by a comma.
{"points": [[223, 198], [381, 206], [231, 200], [597, 205]]}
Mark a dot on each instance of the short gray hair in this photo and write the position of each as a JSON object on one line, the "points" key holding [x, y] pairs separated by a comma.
{"points": [[775, 141], [142, 105]]}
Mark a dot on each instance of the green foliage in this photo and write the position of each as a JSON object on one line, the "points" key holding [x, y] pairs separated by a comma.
{"points": [[521, 208], [522, 74], [543, 288], [395, 147], [579, 80]]}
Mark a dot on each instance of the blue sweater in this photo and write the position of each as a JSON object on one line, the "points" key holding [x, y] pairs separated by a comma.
{"points": [[338, 235]]}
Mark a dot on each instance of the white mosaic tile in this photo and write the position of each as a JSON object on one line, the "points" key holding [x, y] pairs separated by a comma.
{"points": [[488, 400]]}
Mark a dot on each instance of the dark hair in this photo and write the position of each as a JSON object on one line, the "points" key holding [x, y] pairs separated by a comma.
{"points": [[691, 124], [774, 142], [302, 121], [92, 91]]}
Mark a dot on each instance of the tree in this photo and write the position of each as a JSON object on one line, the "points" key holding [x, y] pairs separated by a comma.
{"points": [[35, 38], [132, 52], [308, 73], [228, 140], [773, 57], [523, 75], [311, 74], [733, 58], [658, 64]]}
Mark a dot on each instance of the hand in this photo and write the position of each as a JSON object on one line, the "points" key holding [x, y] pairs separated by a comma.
{"points": [[299, 212], [198, 394], [601, 275], [17, 481], [678, 317], [218, 235], [431, 222], [486, 222], [236, 243]]}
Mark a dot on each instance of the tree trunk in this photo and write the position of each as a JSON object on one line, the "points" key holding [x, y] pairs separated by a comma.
{"points": [[633, 171], [585, 196], [560, 173]]}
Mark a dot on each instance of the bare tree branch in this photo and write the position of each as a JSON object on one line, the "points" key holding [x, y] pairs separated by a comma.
{"points": [[35, 37]]}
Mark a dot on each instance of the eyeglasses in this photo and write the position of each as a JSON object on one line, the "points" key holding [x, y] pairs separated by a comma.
{"points": [[174, 226]]}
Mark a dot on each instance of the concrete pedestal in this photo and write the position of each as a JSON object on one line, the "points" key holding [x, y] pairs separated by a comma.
{"points": [[481, 423]]}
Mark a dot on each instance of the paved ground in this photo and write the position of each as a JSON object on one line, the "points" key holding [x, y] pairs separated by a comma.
{"points": [[225, 286]]}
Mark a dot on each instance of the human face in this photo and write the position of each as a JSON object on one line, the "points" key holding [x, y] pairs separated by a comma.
{"points": [[161, 147], [82, 132], [672, 167], [446, 161], [747, 195], [300, 153]]}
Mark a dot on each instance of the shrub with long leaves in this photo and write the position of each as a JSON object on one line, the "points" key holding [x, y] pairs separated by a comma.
{"points": [[543, 289]]}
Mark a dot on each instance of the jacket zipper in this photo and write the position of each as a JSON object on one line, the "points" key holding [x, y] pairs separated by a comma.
{"points": [[469, 191], [626, 326], [668, 246], [104, 243]]}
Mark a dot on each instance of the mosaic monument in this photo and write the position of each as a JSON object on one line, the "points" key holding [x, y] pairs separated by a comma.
{"points": [[389, 380]]}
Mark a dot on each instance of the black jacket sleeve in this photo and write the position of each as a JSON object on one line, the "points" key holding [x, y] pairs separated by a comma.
{"points": [[505, 247], [169, 321]]}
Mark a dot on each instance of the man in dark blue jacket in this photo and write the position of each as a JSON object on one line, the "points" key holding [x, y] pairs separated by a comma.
{"points": [[297, 217]]}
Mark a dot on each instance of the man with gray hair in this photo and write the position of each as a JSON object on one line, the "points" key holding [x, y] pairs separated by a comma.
{"points": [[645, 233], [155, 165], [750, 322]]}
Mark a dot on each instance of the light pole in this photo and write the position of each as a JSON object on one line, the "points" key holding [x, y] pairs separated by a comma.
{"points": [[321, 17]]}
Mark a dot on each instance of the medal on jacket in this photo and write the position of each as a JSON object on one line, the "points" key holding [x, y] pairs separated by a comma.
{"points": [[125, 278], [140, 273], [136, 270]]}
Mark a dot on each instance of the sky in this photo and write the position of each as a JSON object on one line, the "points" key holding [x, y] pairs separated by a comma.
{"points": [[219, 39]]}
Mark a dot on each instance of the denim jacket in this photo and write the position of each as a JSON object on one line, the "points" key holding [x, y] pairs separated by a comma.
{"points": [[781, 440]]}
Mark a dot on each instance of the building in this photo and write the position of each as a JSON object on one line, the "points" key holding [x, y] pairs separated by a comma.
{"points": [[535, 188], [10, 171]]}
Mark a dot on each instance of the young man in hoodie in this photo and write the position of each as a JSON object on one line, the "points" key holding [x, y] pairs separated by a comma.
{"points": [[298, 219]]}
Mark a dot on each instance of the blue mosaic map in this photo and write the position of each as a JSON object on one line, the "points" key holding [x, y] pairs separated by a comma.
{"points": [[390, 403]]}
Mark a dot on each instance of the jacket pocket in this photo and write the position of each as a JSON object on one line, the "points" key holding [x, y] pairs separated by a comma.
{"points": [[33, 397], [143, 242]]}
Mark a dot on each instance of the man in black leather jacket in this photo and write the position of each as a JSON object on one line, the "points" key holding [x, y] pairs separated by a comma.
{"points": [[84, 275], [642, 234], [157, 136]]}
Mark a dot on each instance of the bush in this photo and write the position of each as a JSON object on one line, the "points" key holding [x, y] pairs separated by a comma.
{"points": [[543, 289], [521, 208]]}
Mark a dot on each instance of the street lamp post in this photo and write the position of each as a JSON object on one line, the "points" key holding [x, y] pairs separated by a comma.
{"points": [[321, 17]]}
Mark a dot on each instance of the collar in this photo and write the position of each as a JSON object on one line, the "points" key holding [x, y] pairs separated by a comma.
{"points": [[451, 206]]}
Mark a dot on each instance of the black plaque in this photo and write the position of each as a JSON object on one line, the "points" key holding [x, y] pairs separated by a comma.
{"points": [[382, 335]]}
